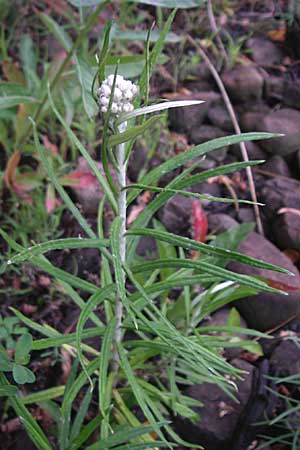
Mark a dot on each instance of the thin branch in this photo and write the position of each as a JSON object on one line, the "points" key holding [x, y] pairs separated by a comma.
{"points": [[236, 126], [213, 26]]}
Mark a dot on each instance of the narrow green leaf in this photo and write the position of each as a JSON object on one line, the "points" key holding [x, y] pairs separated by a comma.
{"points": [[23, 348], [131, 133], [59, 33], [191, 244], [41, 396], [106, 352], [94, 300], [15, 100]]}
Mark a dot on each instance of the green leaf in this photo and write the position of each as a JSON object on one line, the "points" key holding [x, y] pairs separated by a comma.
{"points": [[80, 416], [57, 244], [42, 396], [23, 348], [85, 433], [184, 4], [208, 268], [59, 33], [14, 100], [157, 107], [8, 391], [141, 35], [106, 352], [124, 435], [33, 429], [76, 142], [191, 244], [8, 88], [5, 362], [97, 298], [82, 3], [85, 77], [22, 375], [234, 318], [131, 133]]}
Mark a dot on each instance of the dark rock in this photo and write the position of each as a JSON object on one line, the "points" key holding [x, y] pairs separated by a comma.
{"points": [[254, 151], [218, 223], [205, 164], [286, 121], [286, 230], [219, 414], [183, 120], [263, 51], [146, 247], [285, 360], [266, 310], [250, 118], [279, 193], [205, 133], [274, 88], [137, 161], [220, 318], [207, 188], [291, 96], [218, 115], [246, 215], [244, 83], [90, 196], [277, 165], [176, 214]]}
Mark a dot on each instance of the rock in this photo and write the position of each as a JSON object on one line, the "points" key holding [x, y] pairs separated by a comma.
{"points": [[137, 161], [286, 230], [274, 88], [254, 151], [285, 360], [176, 214], [218, 115], [276, 164], [266, 310], [264, 52], [246, 215], [244, 83], [91, 193], [220, 318], [219, 414], [205, 133], [280, 193], [284, 121], [182, 120], [207, 188], [250, 118], [291, 94], [218, 223]]}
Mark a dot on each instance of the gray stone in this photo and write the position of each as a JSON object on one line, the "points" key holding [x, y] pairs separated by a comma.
{"points": [[219, 414], [274, 87], [291, 95], [90, 195], [266, 310], [286, 121], [205, 133], [276, 164], [244, 83], [285, 360], [220, 318], [286, 230], [218, 115], [280, 193], [218, 223], [254, 151], [176, 214], [263, 51], [246, 215], [183, 120]]}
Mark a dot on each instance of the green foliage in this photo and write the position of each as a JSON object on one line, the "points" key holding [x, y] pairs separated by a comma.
{"points": [[163, 344]]}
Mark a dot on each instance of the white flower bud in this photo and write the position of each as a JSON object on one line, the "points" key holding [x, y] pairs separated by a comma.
{"points": [[117, 94], [105, 90], [103, 109], [124, 93], [127, 107], [104, 101], [128, 95], [114, 108]]}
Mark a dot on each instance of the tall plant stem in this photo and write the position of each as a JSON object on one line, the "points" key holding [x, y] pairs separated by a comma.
{"points": [[36, 114], [122, 165]]}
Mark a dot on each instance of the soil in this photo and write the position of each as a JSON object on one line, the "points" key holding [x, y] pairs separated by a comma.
{"points": [[264, 86]]}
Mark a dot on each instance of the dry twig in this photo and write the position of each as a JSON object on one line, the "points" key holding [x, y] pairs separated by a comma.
{"points": [[237, 129]]}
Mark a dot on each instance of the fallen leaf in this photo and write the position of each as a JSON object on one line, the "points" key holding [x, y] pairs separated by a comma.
{"points": [[79, 179]]}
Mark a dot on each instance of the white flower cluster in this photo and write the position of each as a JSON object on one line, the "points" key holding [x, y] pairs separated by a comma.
{"points": [[124, 93]]}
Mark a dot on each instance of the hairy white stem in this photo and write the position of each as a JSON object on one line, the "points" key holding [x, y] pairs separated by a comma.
{"points": [[122, 165]]}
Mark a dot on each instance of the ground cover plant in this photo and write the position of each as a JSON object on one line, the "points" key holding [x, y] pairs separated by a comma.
{"points": [[138, 338]]}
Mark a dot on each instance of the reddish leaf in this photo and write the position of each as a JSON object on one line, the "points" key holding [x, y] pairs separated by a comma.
{"points": [[79, 178], [282, 286], [199, 223], [52, 147], [12, 72], [50, 201]]}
